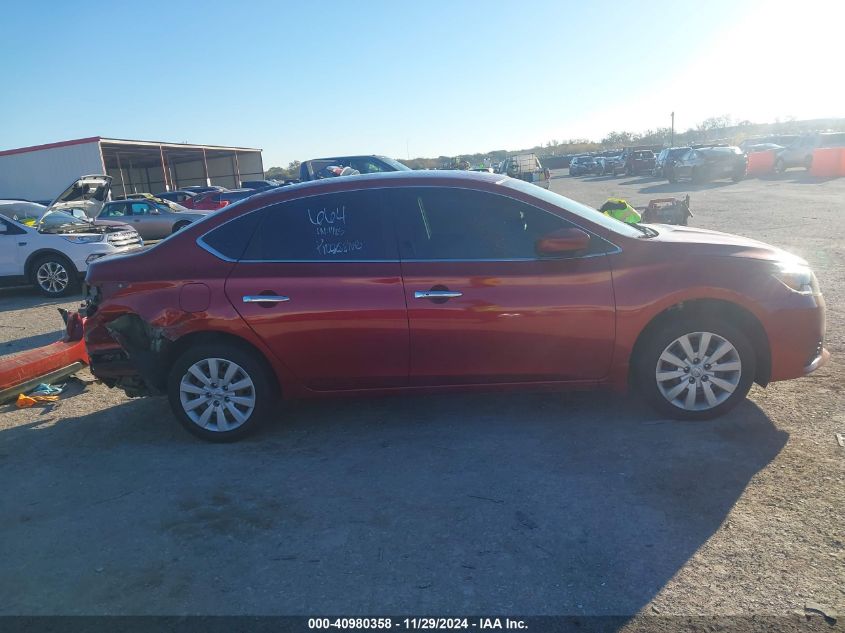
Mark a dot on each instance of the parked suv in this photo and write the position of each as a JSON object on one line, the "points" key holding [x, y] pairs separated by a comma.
{"points": [[800, 153], [633, 162], [710, 163], [56, 251], [389, 283], [581, 165], [665, 161]]}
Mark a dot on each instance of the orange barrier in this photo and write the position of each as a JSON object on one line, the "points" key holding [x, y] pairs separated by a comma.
{"points": [[828, 162], [760, 163]]}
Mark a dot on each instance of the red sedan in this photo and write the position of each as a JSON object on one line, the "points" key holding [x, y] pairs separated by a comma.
{"points": [[433, 281]]}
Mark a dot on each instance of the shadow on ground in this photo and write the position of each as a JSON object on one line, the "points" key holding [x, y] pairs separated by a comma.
{"points": [[686, 185], [30, 342], [22, 297], [494, 504]]}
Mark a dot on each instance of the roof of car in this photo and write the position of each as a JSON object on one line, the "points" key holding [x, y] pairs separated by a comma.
{"points": [[419, 177]]}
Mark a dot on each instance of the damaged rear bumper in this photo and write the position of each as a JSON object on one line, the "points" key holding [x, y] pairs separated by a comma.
{"points": [[21, 372], [126, 352]]}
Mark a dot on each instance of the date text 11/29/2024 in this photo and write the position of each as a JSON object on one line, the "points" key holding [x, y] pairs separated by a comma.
{"points": [[425, 623]]}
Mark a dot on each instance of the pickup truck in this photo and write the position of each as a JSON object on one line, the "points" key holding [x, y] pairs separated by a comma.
{"points": [[319, 168]]}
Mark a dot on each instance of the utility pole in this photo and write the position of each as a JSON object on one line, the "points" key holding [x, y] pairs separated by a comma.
{"points": [[672, 133]]}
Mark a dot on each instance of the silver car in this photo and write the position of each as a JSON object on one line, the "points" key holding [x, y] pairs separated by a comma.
{"points": [[153, 219]]}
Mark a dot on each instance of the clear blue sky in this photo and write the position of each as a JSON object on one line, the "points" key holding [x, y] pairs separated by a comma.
{"points": [[302, 79]]}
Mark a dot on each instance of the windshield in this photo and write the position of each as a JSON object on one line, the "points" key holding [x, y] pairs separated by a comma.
{"points": [[27, 213], [582, 210], [395, 164]]}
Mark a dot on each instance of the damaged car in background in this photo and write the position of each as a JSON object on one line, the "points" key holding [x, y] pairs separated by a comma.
{"points": [[54, 254], [52, 247], [437, 281]]}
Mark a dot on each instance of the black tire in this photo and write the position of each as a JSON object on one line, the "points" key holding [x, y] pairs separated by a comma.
{"points": [[60, 274], [671, 176], [252, 366], [780, 166], [808, 162], [651, 349], [737, 176], [179, 226]]}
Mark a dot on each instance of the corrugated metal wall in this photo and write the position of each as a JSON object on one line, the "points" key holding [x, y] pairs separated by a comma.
{"points": [[43, 174]]}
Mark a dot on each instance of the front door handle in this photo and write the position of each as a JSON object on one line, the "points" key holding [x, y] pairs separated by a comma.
{"points": [[265, 298], [437, 294]]}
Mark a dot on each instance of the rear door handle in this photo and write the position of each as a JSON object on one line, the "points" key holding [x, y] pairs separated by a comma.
{"points": [[437, 294], [265, 298]]}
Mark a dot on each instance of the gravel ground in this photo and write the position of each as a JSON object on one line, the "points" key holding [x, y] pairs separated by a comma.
{"points": [[491, 504]]}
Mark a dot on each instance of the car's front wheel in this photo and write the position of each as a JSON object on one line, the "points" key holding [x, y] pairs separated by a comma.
{"points": [[695, 368], [220, 392], [54, 276], [780, 166]]}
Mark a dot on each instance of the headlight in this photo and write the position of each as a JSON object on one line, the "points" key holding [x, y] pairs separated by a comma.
{"points": [[83, 239], [798, 278]]}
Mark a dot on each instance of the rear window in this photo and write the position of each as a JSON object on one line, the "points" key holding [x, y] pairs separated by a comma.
{"points": [[231, 239]]}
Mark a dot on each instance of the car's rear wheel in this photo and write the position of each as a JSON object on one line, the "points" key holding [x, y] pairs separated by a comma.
{"points": [[220, 392], [696, 368], [54, 276]]}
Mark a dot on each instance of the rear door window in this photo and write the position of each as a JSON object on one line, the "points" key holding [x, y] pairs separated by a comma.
{"points": [[459, 224], [348, 226]]}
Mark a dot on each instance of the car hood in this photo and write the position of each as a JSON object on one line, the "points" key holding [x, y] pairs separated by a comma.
{"points": [[706, 242], [87, 193]]}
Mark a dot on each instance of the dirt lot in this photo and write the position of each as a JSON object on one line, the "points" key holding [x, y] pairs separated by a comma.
{"points": [[493, 504]]}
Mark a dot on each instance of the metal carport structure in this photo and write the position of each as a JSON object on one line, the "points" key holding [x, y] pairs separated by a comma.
{"points": [[151, 166], [41, 172]]}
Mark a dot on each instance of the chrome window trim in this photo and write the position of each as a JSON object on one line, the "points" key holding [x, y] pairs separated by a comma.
{"points": [[202, 244]]}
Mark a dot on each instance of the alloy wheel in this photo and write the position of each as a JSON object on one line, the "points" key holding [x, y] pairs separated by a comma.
{"points": [[217, 395], [698, 371], [52, 277]]}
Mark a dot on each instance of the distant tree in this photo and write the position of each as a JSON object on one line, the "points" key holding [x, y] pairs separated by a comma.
{"points": [[618, 139], [281, 173]]}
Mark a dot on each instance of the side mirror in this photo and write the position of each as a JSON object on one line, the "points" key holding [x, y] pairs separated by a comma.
{"points": [[563, 241]]}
